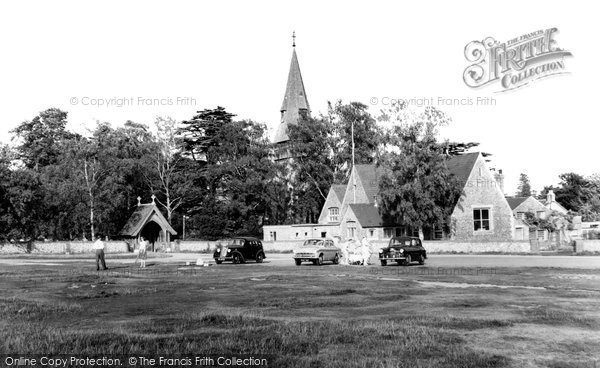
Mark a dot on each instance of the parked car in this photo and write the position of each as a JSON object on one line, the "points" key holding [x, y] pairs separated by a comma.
{"points": [[317, 251], [239, 250], [404, 250]]}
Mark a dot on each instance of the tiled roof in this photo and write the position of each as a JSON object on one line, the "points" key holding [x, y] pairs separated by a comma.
{"points": [[139, 218], [339, 190], [367, 214], [294, 100], [462, 165], [369, 176], [515, 202]]}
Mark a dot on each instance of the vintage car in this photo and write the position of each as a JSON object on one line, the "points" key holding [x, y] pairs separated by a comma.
{"points": [[317, 251], [404, 250], [239, 250]]}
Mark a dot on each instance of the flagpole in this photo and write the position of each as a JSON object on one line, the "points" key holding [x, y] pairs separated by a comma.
{"points": [[353, 162]]}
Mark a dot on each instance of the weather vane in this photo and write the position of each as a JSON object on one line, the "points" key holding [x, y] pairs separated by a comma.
{"points": [[294, 39]]}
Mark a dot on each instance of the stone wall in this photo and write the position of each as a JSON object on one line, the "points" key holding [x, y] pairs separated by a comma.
{"points": [[477, 247], [482, 191], [590, 245], [195, 246], [64, 247]]}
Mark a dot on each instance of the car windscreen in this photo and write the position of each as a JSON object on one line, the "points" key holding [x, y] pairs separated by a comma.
{"points": [[400, 242], [313, 243], [236, 242]]}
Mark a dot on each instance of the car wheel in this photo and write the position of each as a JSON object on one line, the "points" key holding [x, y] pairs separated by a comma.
{"points": [[320, 260], [298, 262], [383, 262], [421, 259], [218, 262], [259, 258], [336, 260], [407, 260], [237, 258]]}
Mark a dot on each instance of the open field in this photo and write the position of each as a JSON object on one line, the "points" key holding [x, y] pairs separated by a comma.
{"points": [[329, 316]]}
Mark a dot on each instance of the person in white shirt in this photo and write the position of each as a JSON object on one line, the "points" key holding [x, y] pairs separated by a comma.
{"points": [[99, 248], [142, 255]]}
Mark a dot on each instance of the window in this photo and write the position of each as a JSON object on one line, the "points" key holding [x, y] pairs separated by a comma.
{"points": [[371, 233], [351, 232], [323, 234], [521, 215], [334, 213], [388, 232], [296, 235], [481, 219], [541, 214]]}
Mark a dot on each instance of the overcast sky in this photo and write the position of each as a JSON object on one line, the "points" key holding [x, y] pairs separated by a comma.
{"points": [[237, 53]]}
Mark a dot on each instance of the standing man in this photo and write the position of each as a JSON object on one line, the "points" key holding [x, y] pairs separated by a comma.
{"points": [[99, 248]]}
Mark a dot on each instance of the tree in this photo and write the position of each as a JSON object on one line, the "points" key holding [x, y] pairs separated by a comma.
{"points": [[235, 177], [524, 188], [311, 148], [417, 189], [167, 177], [347, 120], [41, 138], [574, 191]]}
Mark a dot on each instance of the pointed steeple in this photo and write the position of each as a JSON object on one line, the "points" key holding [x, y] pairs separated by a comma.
{"points": [[295, 103]]}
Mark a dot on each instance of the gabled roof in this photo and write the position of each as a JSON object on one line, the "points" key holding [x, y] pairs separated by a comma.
{"points": [[462, 165], [294, 100], [339, 190], [141, 216], [515, 202], [369, 176], [366, 214]]}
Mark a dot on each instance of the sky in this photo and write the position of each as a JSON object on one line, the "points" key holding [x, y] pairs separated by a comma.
{"points": [[157, 58]]}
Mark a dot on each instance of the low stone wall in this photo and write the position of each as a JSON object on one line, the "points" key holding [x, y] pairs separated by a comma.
{"points": [[476, 247], [590, 245], [194, 246], [64, 247]]}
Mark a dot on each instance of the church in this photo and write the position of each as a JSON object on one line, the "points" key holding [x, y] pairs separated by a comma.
{"points": [[351, 210]]}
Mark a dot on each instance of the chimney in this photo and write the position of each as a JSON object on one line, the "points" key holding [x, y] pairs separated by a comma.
{"points": [[500, 180], [550, 197]]}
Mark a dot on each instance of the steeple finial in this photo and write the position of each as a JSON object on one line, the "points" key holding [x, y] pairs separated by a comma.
{"points": [[153, 198], [294, 39]]}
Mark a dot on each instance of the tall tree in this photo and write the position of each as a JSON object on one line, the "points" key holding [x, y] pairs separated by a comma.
{"points": [[41, 138], [347, 121], [417, 189], [524, 188], [311, 147], [235, 175], [167, 178]]}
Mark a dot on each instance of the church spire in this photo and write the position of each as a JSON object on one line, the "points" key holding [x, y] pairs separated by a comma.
{"points": [[295, 103]]}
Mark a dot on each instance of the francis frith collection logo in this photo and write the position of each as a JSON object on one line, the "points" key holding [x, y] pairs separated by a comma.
{"points": [[514, 63]]}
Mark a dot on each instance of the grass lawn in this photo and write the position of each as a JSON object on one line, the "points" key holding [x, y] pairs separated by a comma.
{"points": [[308, 316]]}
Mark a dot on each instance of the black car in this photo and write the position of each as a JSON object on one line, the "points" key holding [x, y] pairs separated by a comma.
{"points": [[239, 250], [404, 250]]}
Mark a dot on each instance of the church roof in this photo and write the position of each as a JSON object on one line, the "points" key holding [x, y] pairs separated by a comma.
{"points": [[141, 216], [515, 202], [366, 214], [294, 100], [462, 165]]}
